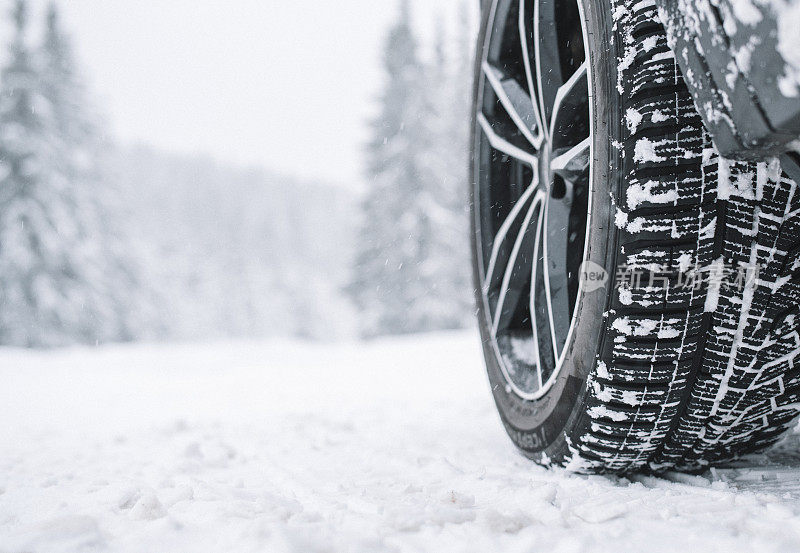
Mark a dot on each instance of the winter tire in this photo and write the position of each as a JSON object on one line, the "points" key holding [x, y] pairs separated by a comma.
{"points": [[637, 294]]}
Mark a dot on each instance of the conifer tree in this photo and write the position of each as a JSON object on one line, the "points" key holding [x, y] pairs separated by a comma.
{"points": [[389, 287], [451, 80], [412, 264], [124, 306], [56, 282]]}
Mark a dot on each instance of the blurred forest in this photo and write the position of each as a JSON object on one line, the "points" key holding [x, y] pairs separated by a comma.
{"points": [[105, 243]]}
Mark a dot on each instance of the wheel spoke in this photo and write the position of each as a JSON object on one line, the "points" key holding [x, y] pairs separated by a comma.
{"points": [[504, 241], [518, 268], [573, 163], [556, 242], [540, 313], [499, 143], [569, 121], [526, 39], [548, 66], [516, 101]]}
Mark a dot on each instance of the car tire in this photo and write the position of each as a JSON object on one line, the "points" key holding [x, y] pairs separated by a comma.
{"points": [[673, 343]]}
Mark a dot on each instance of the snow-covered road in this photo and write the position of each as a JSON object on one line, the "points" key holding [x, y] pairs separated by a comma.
{"points": [[285, 446]]}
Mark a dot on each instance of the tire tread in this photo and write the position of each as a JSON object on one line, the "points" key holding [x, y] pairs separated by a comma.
{"points": [[726, 384]]}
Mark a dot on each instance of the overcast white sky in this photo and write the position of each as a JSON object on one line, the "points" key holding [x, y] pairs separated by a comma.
{"points": [[284, 84]]}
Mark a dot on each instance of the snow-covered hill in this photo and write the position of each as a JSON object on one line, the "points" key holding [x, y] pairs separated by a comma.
{"points": [[287, 446], [231, 251]]}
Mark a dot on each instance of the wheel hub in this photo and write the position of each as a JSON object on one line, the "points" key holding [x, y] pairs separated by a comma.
{"points": [[545, 175]]}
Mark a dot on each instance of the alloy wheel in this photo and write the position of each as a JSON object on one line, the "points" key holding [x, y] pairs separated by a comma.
{"points": [[533, 168]]}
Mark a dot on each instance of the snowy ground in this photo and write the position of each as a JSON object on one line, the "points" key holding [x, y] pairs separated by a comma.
{"points": [[391, 446]]}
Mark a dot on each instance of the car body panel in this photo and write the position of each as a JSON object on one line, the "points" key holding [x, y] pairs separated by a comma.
{"points": [[730, 52]]}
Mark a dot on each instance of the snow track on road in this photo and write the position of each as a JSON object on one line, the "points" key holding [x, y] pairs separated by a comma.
{"points": [[284, 446]]}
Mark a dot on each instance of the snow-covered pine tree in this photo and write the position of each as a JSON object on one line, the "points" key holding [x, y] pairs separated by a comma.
{"points": [[387, 286], [117, 306], [412, 238], [450, 78], [59, 281]]}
